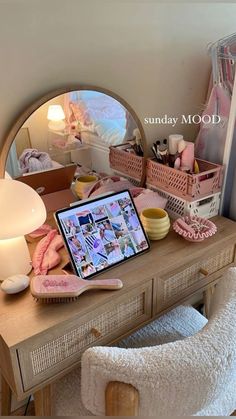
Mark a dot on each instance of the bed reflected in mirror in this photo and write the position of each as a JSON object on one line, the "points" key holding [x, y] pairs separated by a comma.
{"points": [[75, 127]]}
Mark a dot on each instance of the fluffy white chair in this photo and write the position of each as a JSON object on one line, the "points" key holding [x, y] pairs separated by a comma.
{"points": [[187, 367]]}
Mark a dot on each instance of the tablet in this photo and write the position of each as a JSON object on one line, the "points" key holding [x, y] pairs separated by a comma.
{"points": [[102, 233]]}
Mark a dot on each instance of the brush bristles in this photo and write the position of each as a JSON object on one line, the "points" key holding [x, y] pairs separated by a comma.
{"points": [[56, 300]]}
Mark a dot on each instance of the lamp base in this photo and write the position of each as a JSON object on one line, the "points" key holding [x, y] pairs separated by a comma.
{"points": [[14, 257], [56, 125]]}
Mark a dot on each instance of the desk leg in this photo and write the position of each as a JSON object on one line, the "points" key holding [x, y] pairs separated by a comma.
{"points": [[121, 399], [6, 398], [207, 295], [42, 401]]}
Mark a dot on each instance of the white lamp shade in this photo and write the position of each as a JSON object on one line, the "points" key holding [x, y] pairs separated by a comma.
{"points": [[21, 209], [55, 113], [14, 257]]}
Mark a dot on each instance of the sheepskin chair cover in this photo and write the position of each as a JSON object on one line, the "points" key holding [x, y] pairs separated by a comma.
{"points": [[192, 376], [167, 328]]}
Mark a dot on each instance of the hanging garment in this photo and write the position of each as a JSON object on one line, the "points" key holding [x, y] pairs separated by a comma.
{"points": [[230, 187], [210, 141], [215, 142]]}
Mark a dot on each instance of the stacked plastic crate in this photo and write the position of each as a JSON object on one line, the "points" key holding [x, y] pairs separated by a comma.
{"points": [[187, 194], [126, 164]]}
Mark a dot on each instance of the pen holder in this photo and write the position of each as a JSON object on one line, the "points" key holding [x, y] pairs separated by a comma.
{"points": [[156, 223]]}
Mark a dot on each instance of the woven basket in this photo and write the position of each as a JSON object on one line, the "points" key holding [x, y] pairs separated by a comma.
{"points": [[128, 164], [186, 186]]}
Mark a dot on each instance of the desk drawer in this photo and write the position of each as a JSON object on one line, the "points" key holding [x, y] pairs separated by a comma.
{"points": [[42, 357], [172, 287]]}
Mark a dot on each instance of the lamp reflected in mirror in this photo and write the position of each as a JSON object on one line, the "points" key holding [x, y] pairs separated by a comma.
{"points": [[56, 118]]}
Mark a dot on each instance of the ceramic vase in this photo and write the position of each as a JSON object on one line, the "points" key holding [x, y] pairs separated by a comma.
{"points": [[156, 223]]}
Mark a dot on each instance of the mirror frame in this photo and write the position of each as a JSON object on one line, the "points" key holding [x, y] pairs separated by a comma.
{"points": [[57, 92]]}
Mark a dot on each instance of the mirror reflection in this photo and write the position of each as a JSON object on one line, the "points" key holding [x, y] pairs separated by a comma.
{"points": [[76, 127]]}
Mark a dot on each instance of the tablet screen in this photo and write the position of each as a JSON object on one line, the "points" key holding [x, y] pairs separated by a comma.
{"points": [[101, 233]]}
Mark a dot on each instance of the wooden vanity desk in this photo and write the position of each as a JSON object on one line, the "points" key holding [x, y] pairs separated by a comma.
{"points": [[39, 343]]}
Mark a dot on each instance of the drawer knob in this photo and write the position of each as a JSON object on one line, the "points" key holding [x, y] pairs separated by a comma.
{"points": [[96, 332], [203, 271]]}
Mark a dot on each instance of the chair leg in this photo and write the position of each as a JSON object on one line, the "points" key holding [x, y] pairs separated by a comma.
{"points": [[42, 401], [121, 399], [6, 398], [207, 295]]}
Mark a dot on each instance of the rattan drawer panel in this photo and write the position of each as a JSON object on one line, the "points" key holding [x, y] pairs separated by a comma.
{"points": [[76, 340], [40, 359], [172, 288]]}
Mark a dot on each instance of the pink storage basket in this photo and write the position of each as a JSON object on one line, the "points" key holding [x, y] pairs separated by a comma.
{"points": [[189, 187], [128, 164]]}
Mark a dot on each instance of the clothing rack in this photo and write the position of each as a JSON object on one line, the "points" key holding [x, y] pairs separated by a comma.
{"points": [[217, 143], [223, 54], [223, 57]]}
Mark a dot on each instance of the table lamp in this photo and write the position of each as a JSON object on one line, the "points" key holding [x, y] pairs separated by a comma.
{"points": [[56, 118], [21, 212]]}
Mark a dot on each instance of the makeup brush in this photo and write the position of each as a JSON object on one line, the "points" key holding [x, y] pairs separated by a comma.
{"points": [[153, 148]]}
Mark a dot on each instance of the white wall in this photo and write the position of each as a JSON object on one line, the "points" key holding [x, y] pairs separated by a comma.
{"points": [[152, 54]]}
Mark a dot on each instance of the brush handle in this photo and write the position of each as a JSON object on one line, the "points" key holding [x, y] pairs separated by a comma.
{"points": [[105, 284]]}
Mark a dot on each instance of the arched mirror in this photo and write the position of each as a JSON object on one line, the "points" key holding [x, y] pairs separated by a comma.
{"points": [[91, 128]]}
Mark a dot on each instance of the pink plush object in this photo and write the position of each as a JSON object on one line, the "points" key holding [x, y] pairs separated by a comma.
{"points": [[148, 199], [46, 254], [194, 229], [136, 191], [41, 231], [143, 198], [109, 183]]}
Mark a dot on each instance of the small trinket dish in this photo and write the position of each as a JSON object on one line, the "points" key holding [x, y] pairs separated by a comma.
{"points": [[194, 229]]}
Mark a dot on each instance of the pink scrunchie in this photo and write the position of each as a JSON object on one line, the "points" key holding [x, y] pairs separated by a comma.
{"points": [[46, 254]]}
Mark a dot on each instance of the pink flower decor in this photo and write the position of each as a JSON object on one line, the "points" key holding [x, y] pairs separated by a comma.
{"points": [[194, 229]]}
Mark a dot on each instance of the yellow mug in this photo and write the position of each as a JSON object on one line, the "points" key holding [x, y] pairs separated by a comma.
{"points": [[156, 223], [83, 185]]}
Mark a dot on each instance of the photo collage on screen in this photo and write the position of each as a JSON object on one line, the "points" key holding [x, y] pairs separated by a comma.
{"points": [[104, 235]]}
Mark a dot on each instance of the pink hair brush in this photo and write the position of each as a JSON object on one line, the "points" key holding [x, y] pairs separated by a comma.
{"points": [[67, 288]]}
